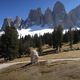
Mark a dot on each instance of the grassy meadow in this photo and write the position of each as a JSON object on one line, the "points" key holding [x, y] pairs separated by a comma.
{"points": [[60, 70]]}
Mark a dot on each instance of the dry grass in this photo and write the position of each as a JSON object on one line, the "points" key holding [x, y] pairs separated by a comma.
{"points": [[66, 70], [67, 47], [69, 54], [21, 59]]}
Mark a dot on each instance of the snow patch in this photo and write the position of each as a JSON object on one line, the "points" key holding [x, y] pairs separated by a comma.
{"points": [[24, 32], [1, 33], [36, 29]]}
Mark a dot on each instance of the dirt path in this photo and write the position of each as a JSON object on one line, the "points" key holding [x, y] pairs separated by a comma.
{"points": [[5, 65]]}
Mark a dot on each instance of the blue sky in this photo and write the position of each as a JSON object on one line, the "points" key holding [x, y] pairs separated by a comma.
{"points": [[13, 8]]}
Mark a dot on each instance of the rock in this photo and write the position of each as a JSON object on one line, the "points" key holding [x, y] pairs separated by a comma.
{"points": [[34, 56], [59, 14], [17, 22], [51, 18], [48, 18], [7, 22], [75, 16], [35, 16]]}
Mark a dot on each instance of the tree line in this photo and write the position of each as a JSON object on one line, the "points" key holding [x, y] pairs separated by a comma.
{"points": [[12, 47]]}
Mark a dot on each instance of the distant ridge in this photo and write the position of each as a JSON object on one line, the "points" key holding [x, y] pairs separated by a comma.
{"points": [[55, 17]]}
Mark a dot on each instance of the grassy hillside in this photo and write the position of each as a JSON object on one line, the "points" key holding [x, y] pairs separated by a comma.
{"points": [[66, 70], [61, 70]]}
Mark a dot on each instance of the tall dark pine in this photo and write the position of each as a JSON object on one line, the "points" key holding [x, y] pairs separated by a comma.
{"points": [[57, 37], [21, 46], [70, 37], [40, 46], [10, 43]]}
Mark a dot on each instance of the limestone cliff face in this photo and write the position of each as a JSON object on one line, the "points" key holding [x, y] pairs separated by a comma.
{"points": [[75, 16], [35, 16], [55, 17], [17, 22], [7, 22], [59, 14], [48, 18]]}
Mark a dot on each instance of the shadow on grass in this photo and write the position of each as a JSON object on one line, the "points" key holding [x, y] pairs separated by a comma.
{"points": [[28, 64], [49, 52], [10, 70]]}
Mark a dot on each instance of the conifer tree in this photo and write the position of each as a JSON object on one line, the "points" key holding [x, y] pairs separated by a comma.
{"points": [[9, 44], [70, 37], [40, 46], [57, 37]]}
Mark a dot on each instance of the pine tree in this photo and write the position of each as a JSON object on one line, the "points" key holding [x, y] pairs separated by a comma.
{"points": [[65, 37], [1, 54], [57, 37], [9, 44], [21, 47], [70, 37], [76, 36], [40, 46], [48, 38], [36, 40]]}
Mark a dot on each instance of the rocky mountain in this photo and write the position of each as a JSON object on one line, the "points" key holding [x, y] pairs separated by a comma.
{"points": [[58, 16], [48, 18], [59, 13], [35, 16], [7, 22], [75, 16], [18, 22]]}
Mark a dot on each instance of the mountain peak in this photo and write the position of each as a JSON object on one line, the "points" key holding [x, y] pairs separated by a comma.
{"points": [[58, 3], [17, 22], [7, 22], [55, 17]]}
